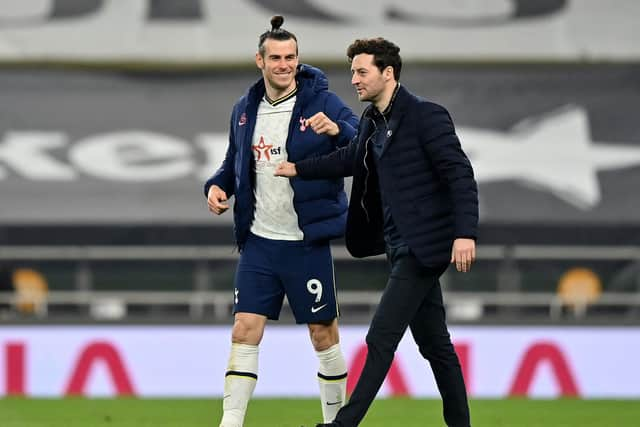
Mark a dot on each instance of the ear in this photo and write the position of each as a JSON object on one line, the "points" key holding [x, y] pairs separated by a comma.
{"points": [[259, 61], [388, 73]]}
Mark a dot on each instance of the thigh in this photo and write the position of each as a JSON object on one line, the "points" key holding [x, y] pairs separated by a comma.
{"points": [[400, 300], [257, 287], [308, 279]]}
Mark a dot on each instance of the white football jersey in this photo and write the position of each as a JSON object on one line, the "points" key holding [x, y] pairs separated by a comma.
{"points": [[274, 217]]}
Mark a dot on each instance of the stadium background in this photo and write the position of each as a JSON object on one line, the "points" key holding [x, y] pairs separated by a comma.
{"points": [[113, 113]]}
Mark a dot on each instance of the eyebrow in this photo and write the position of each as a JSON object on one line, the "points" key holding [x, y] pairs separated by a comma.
{"points": [[277, 55]]}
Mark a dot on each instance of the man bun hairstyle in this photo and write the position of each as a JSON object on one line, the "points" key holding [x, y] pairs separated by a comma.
{"points": [[385, 53], [276, 22], [276, 33]]}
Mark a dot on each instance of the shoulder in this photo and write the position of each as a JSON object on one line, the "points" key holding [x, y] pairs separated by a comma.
{"points": [[312, 76], [332, 99], [322, 99], [253, 94], [418, 103], [427, 106], [241, 102], [430, 112]]}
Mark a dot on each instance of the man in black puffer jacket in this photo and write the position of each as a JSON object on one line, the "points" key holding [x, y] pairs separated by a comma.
{"points": [[414, 196]]}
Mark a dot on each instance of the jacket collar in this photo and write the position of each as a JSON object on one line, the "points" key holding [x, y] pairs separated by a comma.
{"points": [[387, 111], [398, 108], [394, 113]]}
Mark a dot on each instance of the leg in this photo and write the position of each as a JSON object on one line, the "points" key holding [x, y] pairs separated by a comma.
{"points": [[242, 370], [257, 296], [332, 371], [400, 301], [309, 283], [430, 332]]}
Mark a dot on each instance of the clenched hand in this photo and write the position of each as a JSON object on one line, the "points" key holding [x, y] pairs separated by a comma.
{"points": [[320, 124], [216, 199]]}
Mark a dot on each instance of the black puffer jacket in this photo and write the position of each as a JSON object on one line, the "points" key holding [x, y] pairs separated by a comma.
{"points": [[427, 179]]}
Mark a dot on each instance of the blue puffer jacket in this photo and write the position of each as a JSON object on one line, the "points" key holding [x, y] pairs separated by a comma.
{"points": [[321, 205]]}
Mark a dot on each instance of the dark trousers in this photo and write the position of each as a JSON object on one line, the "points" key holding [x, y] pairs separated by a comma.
{"points": [[412, 298]]}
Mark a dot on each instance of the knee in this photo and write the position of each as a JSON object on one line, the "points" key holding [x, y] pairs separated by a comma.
{"points": [[323, 336], [382, 339], [381, 347], [437, 347], [246, 331]]}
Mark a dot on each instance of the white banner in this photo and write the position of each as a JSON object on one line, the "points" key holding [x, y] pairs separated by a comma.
{"points": [[553, 153], [186, 361], [214, 31]]}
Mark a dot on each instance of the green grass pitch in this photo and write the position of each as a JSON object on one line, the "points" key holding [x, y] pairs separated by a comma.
{"points": [[78, 412]]}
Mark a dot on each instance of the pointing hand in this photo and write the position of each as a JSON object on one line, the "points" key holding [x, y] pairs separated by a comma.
{"points": [[286, 169]]}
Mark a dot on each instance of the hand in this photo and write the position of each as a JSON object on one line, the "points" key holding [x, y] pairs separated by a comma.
{"points": [[320, 124], [215, 200], [463, 254], [286, 169]]}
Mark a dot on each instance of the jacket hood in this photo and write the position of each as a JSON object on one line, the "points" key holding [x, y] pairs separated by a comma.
{"points": [[312, 76]]}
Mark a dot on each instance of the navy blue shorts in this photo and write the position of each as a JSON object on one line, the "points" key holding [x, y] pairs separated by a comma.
{"points": [[270, 269]]}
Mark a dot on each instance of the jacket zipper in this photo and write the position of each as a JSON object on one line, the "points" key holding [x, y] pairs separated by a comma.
{"points": [[297, 110], [366, 175]]}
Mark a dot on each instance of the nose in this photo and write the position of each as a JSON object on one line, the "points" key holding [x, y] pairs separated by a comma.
{"points": [[355, 80]]}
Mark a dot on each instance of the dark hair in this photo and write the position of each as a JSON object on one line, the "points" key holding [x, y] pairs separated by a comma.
{"points": [[384, 52], [276, 33]]}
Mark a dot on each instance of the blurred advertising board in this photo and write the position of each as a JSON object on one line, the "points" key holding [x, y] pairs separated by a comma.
{"points": [[167, 361]]}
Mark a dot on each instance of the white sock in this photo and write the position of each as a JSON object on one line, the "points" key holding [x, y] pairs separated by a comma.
{"points": [[239, 383], [332, 378]]}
